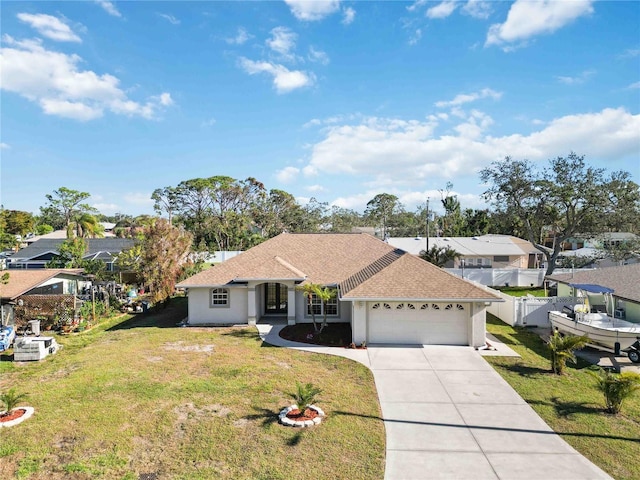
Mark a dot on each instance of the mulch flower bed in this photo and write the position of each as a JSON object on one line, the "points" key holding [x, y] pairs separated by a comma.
{"points": [[308, 414], [333, 335], [293, 417], [12, 415]]}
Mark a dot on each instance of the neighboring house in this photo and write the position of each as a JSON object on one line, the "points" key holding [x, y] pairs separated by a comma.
{"points": [[386, 294], [39, 253], [486, 251], [624, 281], [53, 283], [62, 234]]}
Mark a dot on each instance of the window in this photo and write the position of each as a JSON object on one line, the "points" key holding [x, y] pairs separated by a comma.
{"points": [[411, 306], [376, 306], [435, 307], [424, 306], [501, 258], [449, 307], [459, 307], [400, 306], [315, 304], [219, 297]]}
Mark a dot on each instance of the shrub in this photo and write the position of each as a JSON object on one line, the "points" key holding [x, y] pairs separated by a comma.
{"points": [[615, 387], [10, 399], [305, 394], [562, 348]]}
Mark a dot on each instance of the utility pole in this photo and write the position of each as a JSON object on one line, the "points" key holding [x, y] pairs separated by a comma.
{"points": [[427, 236]]}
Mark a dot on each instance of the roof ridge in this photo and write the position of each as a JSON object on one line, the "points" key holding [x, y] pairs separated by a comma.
{"points": [[370, 270], [287, 265]]}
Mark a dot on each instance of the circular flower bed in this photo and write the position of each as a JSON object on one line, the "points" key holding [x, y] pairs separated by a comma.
{"points": [[15, 416], [293, 417]]}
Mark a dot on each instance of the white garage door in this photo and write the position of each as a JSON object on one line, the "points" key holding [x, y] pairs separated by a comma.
{"points": [[413, 323]]}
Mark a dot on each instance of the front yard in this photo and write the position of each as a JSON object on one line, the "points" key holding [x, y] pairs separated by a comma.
{"points": [[138, 397], [570, 404]]}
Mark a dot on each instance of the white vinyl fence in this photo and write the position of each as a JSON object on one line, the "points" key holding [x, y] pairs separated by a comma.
{"points": [[506, 277], [527, 311]]}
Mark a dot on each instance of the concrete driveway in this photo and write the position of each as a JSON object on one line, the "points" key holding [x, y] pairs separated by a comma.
{"points": [[449, 415]]}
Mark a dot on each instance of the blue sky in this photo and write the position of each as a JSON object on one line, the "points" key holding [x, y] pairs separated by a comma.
{"points": [[335, 100]]}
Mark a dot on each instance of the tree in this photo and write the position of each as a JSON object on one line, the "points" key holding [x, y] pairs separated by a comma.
{"points": [[309, 290], [67, 204], [305, 395], [18, 222], [565, 199], [324, 295], [163, 251], [616, 388], [86, 226], [452, 220], [342, 220], [70, 254], [562, 348], [165, 199], [439, 256], [380, 209]]}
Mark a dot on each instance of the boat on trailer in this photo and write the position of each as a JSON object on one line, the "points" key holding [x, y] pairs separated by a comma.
{"points": [[602, 329]]}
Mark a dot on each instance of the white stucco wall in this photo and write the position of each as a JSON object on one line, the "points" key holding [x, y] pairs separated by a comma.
{"points": [[477, 324], [344, 311], [201, 312]]}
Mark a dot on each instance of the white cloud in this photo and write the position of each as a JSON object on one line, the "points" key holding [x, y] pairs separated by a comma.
{"points": [[314, 188], [577, 80], [470, 97], [416, 37], [241, 37], [318, 56], [138, 199], [630, 53], [109, 7], [4, 146], [282, 41], [442, 10], [404, 153], [170, 18], [477, 9], [284, 80], [106, 208], [50, 27], [312, 10], [416, 5], [209, 123], [348, 16], [527, 18], [634, 86], [287, 174], [53, 81]]}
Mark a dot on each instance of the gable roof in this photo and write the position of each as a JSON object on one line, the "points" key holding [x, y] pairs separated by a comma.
{"points": [[94, 246], [21, 281], [412, 278], [624, 280], [485, 245], [363, 266]]}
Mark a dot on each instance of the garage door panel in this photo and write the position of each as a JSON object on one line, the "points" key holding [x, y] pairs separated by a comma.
{"points": [[445, 324]]}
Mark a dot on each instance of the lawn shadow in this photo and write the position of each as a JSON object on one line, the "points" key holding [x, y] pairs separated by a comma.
{"points": [[243, 332], [267, 416], [167, 315], [525, 370], [566, 409]]}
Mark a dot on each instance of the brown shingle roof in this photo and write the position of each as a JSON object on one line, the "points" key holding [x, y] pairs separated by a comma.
{"points": [[624, 280], [363, 266], [410, 277], [21, 281]]}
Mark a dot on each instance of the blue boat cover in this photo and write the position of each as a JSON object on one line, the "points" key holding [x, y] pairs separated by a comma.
{"points": [[591, 288]]}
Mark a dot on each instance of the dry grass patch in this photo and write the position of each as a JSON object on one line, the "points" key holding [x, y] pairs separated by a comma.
{"points": [[144, 398]]}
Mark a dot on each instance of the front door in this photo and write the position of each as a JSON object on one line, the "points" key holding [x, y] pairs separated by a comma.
{"points": [[275, 295]]}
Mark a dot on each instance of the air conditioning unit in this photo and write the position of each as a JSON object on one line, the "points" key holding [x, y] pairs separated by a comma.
{"points": [[619, 313]]}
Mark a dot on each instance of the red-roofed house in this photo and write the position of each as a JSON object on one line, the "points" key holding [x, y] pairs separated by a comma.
{"points": [[387, 295]]}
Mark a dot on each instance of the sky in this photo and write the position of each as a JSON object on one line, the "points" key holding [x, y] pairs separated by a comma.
{"points": [[335, 100]]}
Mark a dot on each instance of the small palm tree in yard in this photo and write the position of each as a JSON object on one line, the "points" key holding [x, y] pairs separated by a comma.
{"points": [[305, 395], [10, 399], [615, 387], [309, 290], [562, 349], [325, 294]]}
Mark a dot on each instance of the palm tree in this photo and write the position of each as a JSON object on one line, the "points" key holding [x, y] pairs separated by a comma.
{"points": [[325, 294], [11, 399], [616, 388], [305, 395], [86, 225], [562, 348], [309, 290], [439, 256]]}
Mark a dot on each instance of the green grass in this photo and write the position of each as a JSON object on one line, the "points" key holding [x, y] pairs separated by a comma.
{"points": [[137, 395], [523, 291], [570, 404]]}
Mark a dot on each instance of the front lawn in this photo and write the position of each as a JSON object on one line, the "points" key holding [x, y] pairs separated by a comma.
{"points": [[570, 404], [138, 397]]}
